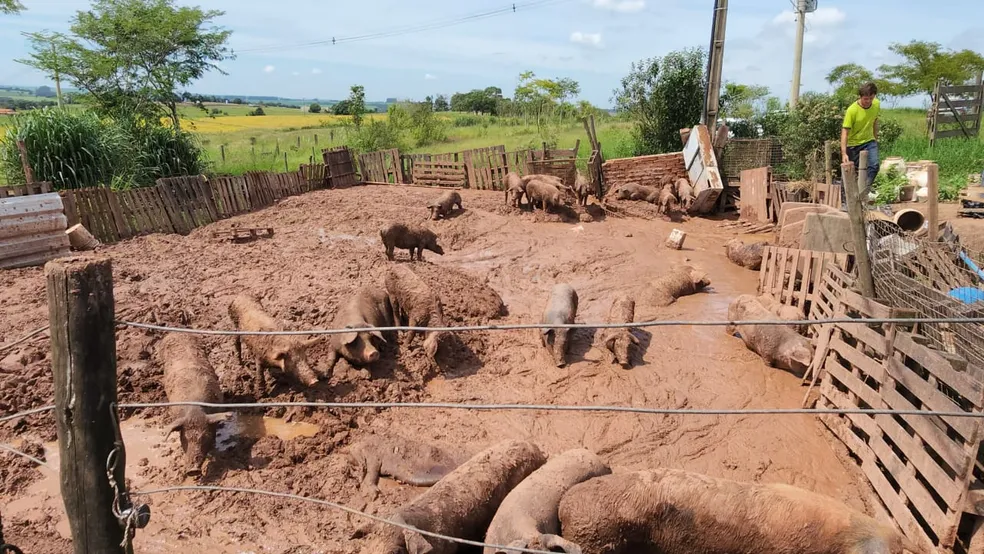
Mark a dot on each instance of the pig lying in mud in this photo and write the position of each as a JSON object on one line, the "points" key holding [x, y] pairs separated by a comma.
{"points": [[286, 352], [408, 236], [442, 205], [408, 461], [779, 346], [189, 377], [582, 189], [369, 306], [515, 188], [785, 313], [527, 518], [617, 341], [561, 308], [669, 511], [633, 191], [461, 504], [544, 194], [746, 255], [414, 304], [680, 281], [685, 192]]}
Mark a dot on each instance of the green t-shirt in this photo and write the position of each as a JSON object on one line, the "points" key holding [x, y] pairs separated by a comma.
{"points": [[861, 122]]}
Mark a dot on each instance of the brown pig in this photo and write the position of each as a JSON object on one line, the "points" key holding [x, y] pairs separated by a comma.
{"points": [[746, 255], [409, 236], [785, 313], [527, 518], [408, 461], [286, 352], [779, 345], [189, 377], [515, 188], [680, 281], [617, 341], [582, 189], [633, 191], [369, 306], [685, 192], [414, 305], [552, 179], [670, 511], [666, 199], [442, 205], [460, 505], [544, 194], [561, 308]]}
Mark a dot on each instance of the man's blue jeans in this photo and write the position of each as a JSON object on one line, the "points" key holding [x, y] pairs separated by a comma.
{"points": [[854, 155]]}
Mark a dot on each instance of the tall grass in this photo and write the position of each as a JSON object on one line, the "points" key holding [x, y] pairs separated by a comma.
{"points": [[956, 158]]}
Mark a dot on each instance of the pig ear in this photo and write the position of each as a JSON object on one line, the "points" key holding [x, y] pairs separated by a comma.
{"points": [[610, 342], [348, 338], [634, 339], [310, 342], [378, 335], [177, 425], [416, 543]]}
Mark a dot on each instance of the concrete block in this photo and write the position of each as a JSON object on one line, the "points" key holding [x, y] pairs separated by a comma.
{"points": [[791, 236], [675, 240], [790, 216], [830, 232], [786, 206]]}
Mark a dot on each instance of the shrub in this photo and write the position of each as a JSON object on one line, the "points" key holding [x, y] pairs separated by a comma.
{"points": [[816, 119], [889, 131], [377, 135], [888, 184], [314, 108], [257, 111]]}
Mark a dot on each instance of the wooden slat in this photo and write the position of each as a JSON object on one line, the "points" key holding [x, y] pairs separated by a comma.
{"points": [[960, 89], [955, 133], [971, 118], [930, 397], [968, 387]]}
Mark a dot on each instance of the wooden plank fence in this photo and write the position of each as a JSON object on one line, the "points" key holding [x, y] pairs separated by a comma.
{"points": [[565, 168], [793, 276], [383, 166], [439, 173], [341, 168]]}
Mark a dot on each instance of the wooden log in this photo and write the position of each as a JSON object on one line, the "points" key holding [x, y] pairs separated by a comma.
{"points": [[856, 213], [80, 238], [933, 198], [83, 355]]}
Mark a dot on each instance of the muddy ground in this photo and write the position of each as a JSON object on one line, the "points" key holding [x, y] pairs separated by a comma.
{"points": [[499, 266]]}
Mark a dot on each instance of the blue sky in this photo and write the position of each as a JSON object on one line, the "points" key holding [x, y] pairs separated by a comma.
{"points": [[592, 41]]}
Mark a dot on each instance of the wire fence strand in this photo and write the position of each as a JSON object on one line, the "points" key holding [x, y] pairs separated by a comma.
{"points": [[25, 413], [353, 511], [25, 455]]}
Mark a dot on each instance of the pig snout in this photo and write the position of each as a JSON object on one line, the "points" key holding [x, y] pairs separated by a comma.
{"points": [[305, 374], [198, 441], [622, 352], [560, 346]]}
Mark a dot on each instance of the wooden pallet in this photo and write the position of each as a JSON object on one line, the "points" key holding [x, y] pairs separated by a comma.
{"points": [[749, 227], [791, 275]]}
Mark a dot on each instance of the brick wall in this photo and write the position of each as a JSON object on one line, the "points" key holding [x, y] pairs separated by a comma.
{"points": [[644, 170]]}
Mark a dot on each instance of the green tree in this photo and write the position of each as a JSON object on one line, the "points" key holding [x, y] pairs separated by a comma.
{"points": [[739, 101], [848, 78], [662, 96], [538, 95], [131, 56], [356, 104], [924, 63], [314, 108], [441, 103], [11, 6]]}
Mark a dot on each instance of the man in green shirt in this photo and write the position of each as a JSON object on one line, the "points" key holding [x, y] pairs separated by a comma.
{"points": [[860, 130]]}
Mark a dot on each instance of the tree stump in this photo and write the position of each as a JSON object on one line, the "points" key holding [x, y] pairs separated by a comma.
{"points": [[80, 238]]}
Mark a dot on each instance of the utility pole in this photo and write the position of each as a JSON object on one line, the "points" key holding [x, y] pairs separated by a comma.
{"points": [[794, 93], [57, 75], [715, 59]]}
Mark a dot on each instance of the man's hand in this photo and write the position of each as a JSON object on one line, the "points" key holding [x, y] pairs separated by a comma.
{"points": [[845, 158]]}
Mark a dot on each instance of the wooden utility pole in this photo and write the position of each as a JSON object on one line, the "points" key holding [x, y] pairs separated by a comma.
{"points": [[794, 91], [57, 75], [856, 213], [715, 60], [933, 198], [83, 358]]}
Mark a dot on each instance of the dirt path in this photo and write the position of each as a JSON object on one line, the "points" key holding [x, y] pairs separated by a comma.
{"points": [[326, 243]]}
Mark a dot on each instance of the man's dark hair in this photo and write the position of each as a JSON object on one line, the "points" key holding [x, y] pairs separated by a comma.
{"points": [[868, 89]]}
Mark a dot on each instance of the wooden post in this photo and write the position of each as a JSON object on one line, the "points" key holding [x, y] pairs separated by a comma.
{"points": [[316, 139], [286, 168], [298, 142], [25, 162], [83, 358], [933, 197], [222, 149], [856, 213], [829, 162]]}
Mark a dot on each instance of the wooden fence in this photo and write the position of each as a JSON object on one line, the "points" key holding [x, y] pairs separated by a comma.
{"points": [[32, 230], [957, 108], [339, 167], [793, 276], [383, 166], [439, 173]]}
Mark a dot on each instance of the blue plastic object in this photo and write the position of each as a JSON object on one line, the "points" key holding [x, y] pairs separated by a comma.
{"points": [[968, 295]]}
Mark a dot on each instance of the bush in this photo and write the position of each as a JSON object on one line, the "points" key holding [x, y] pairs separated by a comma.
{"points": [[377, 135], [257, 111], [816, 119], [888, 184], [314, 108], [166, 153], [889, 131]]}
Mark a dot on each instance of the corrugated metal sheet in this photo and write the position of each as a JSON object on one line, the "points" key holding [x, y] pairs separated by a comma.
{"points": [[32, 230]]}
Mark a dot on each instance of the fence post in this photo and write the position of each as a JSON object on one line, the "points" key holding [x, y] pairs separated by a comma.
{"points": [[933, 197], [83, 358], [222, 149], [286, 170], [25, 162], [856, 213]]}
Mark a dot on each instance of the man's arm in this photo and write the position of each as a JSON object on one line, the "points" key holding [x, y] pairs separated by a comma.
{"points": [[844, 145], [874, 129]]}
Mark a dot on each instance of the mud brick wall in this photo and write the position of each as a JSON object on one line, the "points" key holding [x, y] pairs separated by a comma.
{"points": [[644, 170]]}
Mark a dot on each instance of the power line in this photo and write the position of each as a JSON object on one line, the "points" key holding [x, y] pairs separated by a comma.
{"points": [[407, 29], [522, 326]]}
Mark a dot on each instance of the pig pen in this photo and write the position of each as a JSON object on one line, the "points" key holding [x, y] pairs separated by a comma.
{"points": [[500, 263]]}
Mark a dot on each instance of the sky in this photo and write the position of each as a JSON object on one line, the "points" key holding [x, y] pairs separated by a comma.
{"points": [[591, 41]]}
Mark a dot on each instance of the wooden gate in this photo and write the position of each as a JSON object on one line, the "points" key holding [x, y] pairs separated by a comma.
{"points": [[439, 173]]}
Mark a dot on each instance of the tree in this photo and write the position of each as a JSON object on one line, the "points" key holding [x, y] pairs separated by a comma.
{"points": [[130, 56], [340, 108], [11, 6], [739, 101], [847, 79], [537, 94], [357, 104], [441, 103], [478, 100], [314, 108], [44, 92], [663, 95], [924, 63]]}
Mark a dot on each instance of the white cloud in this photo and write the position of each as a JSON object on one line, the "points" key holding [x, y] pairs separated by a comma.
{"points": [[429, 77], [316, 71], [823, 17], [588, 39], [269, 69], [622, 6]]}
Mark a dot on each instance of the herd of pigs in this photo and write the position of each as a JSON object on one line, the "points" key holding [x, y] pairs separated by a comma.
{"points": [[510, 493]]}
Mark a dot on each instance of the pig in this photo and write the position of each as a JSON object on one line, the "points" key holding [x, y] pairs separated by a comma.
{"points": [[670, 511], [680, 281], [552, 179], [561, 308], [666, 199], [582, 188], [409, 236], [544, 194], [527, 518], [189, 377], [746, 255], [632, 191], [617, 341], [369, 306], [515, 188], [461, 504], [779, 345], [685, 192], [785, 313], [286, 352], [442, 205], [414, 304], [409, 461]]}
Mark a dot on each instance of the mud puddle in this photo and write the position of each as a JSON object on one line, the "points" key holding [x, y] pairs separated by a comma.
{"points": [[257, 427]]}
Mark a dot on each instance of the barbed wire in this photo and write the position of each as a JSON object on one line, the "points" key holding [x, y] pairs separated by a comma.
{"points": [[522, 326], [400, 524]]}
